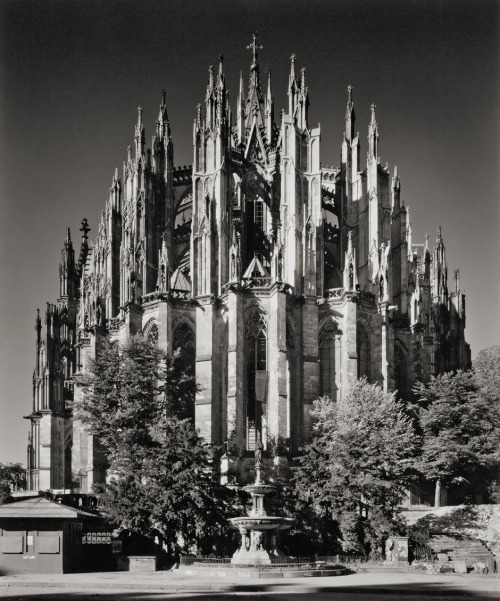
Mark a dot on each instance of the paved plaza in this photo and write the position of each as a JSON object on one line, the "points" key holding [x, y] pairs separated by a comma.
{"points": [[125, 586]]}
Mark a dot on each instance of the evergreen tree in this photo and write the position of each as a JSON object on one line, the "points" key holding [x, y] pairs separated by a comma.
{"points": [[135, 401], [361, 459], [460, 423]]}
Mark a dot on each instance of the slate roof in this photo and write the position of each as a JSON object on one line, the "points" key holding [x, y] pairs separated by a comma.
{"points": [[179, 281], [39, 507]]}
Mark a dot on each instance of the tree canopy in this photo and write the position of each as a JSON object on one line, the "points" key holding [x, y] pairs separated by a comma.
{"points": [[487, 369], [362, 454], [460, 424], [12, 477], [136, 401]]}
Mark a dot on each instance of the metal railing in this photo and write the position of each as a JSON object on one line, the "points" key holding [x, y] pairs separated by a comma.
{"points": [[291, 561]]}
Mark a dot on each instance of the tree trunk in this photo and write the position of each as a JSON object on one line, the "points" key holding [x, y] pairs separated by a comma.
{"points": [[437, 495]]}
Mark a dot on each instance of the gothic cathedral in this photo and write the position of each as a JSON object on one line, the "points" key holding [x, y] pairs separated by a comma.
{"points": [[279, 279]]}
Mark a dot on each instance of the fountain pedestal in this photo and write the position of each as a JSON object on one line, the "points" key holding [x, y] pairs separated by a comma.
{"points": [[259, 530]]}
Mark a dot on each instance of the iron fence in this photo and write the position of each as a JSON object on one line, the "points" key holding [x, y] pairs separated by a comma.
{"points": [[291, 561]]}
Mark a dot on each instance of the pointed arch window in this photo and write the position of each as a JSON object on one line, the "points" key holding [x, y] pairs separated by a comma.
{"points": [[400, 371], [184, 342], [290, 387], [151, 331], [329, 359], [256, 402], [363, 351]]}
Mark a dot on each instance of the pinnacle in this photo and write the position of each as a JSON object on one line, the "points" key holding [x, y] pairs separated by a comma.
{"points": [[439, 237]]}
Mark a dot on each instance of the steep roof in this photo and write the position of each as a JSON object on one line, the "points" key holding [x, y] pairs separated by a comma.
{"points": [[179, 281], [39, 507]]}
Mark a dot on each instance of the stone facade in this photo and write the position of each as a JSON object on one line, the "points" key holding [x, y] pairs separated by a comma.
{"points": [[279, 278]]}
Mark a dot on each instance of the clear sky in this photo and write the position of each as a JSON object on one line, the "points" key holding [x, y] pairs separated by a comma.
{"points": [[72, 75]]}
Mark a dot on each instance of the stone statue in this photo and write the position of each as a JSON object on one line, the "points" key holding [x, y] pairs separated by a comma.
{"points": [[389, 546], [258, 452]]}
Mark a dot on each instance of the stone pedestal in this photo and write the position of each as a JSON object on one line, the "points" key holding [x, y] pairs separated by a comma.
{"points": [[401, 549]]}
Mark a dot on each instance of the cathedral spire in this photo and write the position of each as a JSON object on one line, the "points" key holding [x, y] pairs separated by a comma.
{"points": [[293, 88], [38, 327], [439, 236], [350, 117], [162, 123], [67, 267], [139, 134], [373, 136], [396, 190], [269, 110], [84, 246], [240, 112]]}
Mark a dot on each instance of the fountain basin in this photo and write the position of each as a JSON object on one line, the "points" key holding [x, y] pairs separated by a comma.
{"points": [[262, 523], [258, 489]]}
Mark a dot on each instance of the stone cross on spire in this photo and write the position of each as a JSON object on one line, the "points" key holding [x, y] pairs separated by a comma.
{"points": [[253, 47]]}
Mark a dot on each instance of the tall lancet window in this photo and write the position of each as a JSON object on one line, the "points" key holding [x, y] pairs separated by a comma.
{"points": [[363, 349], [256, 399], [290, 387], [256, 195], [400, 372], [184, 344], [329, 359]]}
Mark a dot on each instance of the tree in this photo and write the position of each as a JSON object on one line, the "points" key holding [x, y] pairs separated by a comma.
{"points": [[135, 401], [487, 369], [460, 424], [12, 477], [361, 457]]}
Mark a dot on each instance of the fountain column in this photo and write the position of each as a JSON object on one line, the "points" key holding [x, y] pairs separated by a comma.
{"points": [[258, 530]]}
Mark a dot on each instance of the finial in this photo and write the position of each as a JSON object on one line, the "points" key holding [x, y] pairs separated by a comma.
{"points": [[198, 114], [85, 227], [221, 61], [395, 171], [129, 153], [439, 237], [292, 65], [373, 120], [241, 85], [116, 175], [426, 242], [349, 94], [68, 236], [139, 115], [303, 78], [211, 76], [349, 241], [253, 47], [163, 97]]}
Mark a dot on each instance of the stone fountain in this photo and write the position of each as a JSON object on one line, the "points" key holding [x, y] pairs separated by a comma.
{"points": [[259, 530]]}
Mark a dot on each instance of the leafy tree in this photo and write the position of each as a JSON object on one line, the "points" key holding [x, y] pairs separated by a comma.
{"points": [[460, 424], [487, 369], [12, 477], [361, 456], [135, 401]]}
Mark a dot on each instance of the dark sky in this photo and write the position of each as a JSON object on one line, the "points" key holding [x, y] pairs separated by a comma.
{"points": [[72, 75]]}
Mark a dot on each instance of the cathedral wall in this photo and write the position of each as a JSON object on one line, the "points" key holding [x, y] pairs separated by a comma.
{"points": [[204, 375], [310, 365]]}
